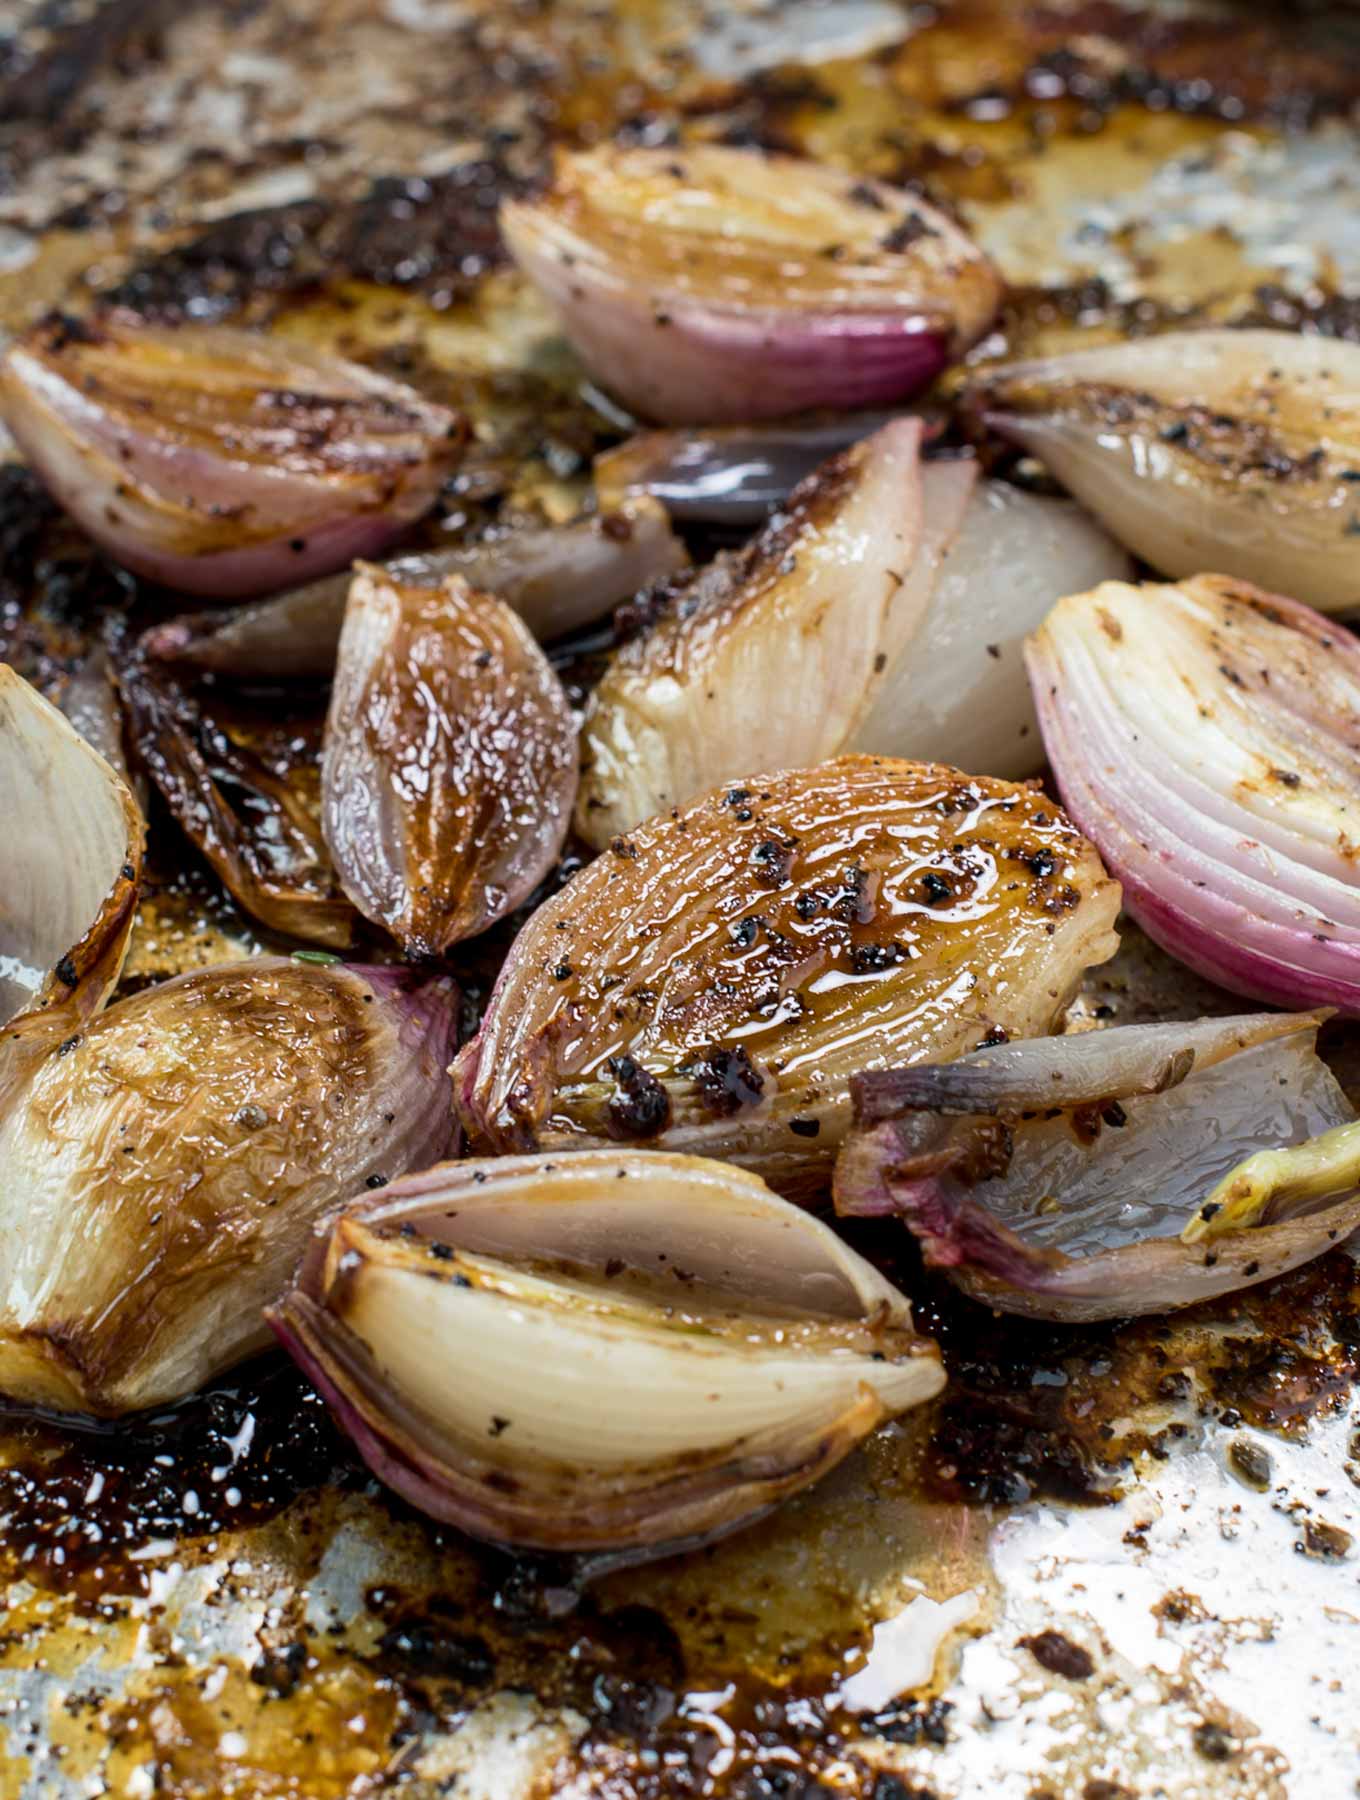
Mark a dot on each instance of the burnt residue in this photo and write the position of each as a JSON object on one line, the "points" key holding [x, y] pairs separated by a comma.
{"points": [[727, 1080], [57, 593], [435, 235], [639, 1107], [79, 1498], [64, 45]]}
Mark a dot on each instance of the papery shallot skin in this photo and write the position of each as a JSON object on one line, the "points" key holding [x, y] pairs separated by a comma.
{"points": [[769, 656], [695, 283], [221, 462], [166, 1162], [71, 863], [466, 1326], [712, 981], [449, 764], [1113, 1173], [556, 577], [1204, 735], [1234, 451]]}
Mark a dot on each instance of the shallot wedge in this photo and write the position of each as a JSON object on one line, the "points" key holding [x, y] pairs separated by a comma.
{"points": [[71, 862], [1117, 1172], [1229, 450], [164, 1165], [704, 284], [619, 1352], [449, 763], [712, 982], [771, 655], [219, 461], [556, 577], [1206, 737], [957, 693], [250, 808]]}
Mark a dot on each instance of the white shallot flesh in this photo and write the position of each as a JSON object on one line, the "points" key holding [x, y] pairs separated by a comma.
{"points": [[957, 692], [71, 863]]}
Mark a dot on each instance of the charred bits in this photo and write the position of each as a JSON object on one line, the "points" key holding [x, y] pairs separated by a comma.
{"points": [[639, 1107]]}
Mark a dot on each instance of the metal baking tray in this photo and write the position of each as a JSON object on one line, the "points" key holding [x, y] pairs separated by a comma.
{"points": [[1109, 1562]]}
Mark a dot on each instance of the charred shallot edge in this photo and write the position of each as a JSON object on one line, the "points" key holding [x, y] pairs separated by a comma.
{"points": [[1236, 451], [253, 817], [449, 763], [618, 1353], [558, 578], [957, 691], [164, 1164], [1116, 1172], [218, 461], [70, 866], [1204, 736], [771, 655], [712, 981], [707, 284]]}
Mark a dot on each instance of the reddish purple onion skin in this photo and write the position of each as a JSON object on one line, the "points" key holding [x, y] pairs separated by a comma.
{"points": [[1280, 949], [695, 282], [706, 368], [262, 569], [221, 462]]}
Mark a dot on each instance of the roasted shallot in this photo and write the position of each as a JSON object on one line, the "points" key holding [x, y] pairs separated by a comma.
{"points": [[708, 284], [218, 461], [449, 764], [1115, 1172], [1204, 736], [70, 865], [771, 654], [956, 692], [712, 981], [1237, 451], [618, 1353], [165, 1162]]}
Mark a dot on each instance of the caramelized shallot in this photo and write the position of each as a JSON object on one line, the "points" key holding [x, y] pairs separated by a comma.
{"points": [[771, 654], [166, 1162], [705, 284], [556, 577], [220, 461], [1236, 451], [712, 982], [449, 762]]}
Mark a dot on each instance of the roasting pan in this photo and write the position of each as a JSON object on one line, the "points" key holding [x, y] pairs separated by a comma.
{"points": [[1109, 1562]]}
